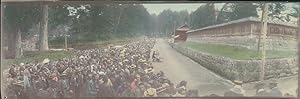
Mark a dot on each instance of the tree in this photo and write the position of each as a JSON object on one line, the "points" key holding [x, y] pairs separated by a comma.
{"points": [[224, 14], [19, 18], [276, 11], [264, 29], [243, 10], [43, 37], [295, 13], [298, 38], [203, 16]]}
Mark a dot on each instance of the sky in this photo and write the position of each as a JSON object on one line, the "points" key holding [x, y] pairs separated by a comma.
{"points": [[157, 8]]}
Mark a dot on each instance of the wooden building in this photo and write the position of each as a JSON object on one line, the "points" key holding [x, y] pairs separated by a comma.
{"points": [[181, 33], [246, 26]]}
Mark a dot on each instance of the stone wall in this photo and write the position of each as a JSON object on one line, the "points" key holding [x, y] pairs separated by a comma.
{"points": [[245, 70], [250, 42]]}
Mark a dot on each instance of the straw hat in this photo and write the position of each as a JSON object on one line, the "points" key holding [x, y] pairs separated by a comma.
{"points": [[81, 57], [150, 92], [46, 60], [21, 64], [238, 82]]}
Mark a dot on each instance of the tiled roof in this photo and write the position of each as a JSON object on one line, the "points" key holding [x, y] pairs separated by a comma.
{"points": [[184, 27], [244, 20]]}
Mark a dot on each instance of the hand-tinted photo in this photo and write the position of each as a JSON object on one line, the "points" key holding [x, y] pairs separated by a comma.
{"points": [[203, 49]]}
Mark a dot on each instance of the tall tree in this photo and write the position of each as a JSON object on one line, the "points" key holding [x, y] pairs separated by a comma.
{"points": [[276, 11], [43, 37], [298, 38], [203, 16], [264, 29], [224, 14], [243, 10], [19, 18]]}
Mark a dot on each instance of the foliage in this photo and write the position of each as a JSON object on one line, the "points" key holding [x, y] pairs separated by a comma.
{"points": [[276, 10], [243, 10], [203, 16], [101, 22], [21, 16], [169, 20], [295, 13]]}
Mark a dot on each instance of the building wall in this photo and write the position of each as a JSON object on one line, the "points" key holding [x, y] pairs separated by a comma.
{"points": [[182, 35], [245, 28]]}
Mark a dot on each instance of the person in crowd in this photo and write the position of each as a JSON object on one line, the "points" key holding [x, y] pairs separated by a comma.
{"points": [[260, 89], [274, 91], [237, 90]]}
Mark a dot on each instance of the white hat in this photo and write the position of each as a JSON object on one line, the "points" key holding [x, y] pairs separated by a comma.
{"points": [[21, 64], [101, 73], [46, 60], [81, 57], [150, 92]]}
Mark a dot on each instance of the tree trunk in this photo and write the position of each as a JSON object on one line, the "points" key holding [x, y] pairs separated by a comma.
{"points": [[14, 43], [18, 50], [2, 32], [43, 37], [259, 35], [215, 13], [122, 7], [264, 36], [66, 42]]}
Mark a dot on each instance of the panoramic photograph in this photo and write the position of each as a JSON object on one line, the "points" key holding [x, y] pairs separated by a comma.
{"points": [[116, 49]]}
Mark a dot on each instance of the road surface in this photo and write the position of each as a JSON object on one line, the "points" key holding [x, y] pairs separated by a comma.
{"points": [[178, 67]]}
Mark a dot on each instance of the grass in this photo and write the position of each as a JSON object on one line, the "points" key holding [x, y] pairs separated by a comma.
{"points": [[236, 52], [55, 55], [93, 44], [36, 56]]}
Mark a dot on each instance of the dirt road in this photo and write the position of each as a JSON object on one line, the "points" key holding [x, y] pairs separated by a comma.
{"points": [[178, 67]]}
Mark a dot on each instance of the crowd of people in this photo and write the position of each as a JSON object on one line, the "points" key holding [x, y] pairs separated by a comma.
{"points": [[120, 71], [262, 90], [114, 71]]}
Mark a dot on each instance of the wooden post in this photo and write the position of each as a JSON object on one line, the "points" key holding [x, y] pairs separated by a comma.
{"points": [[264, 36]]}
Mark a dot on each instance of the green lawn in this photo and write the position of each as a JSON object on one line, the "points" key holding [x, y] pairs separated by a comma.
{"points": [[236, 52], [36, 56]]}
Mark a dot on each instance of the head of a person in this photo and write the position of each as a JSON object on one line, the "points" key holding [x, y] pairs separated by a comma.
{"points": [[259, 86], [183, 83], [273, 84], [142, 87]]}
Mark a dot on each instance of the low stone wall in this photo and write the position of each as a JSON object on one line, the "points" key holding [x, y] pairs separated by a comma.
{"points": [[245, 70], [272, 42]]}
